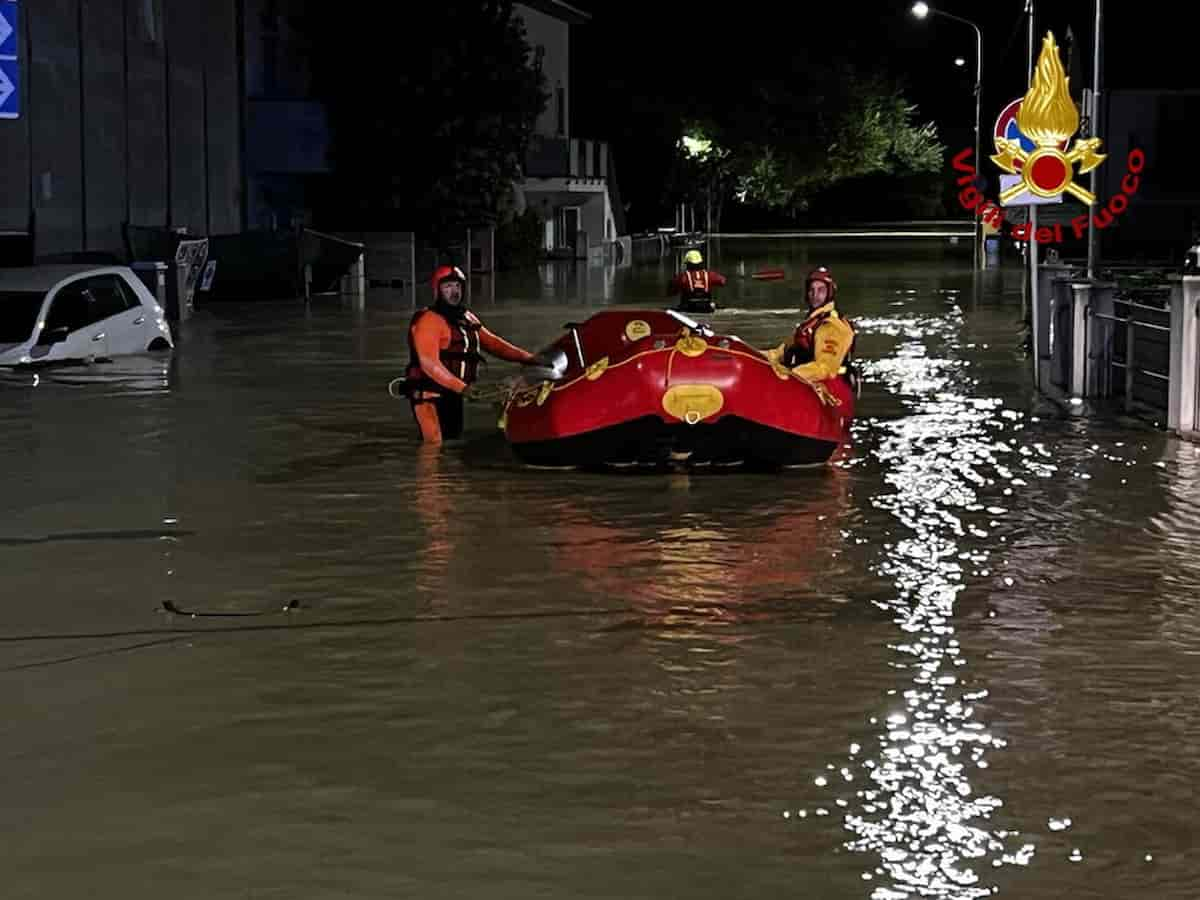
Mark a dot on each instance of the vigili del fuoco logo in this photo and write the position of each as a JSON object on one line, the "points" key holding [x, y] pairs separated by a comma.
{"points": [[1033, 142]]}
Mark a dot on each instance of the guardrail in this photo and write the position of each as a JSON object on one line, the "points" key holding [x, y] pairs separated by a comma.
{"points": [[1128, 362], [1100, 345]]}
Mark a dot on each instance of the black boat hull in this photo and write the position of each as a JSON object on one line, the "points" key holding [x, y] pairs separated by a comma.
{"points": [[649, 441]]}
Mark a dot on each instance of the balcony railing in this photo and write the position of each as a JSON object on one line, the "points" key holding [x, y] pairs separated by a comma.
{"points": [[555, 157]]}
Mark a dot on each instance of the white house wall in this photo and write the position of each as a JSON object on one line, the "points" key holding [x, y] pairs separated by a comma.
{"points": [[592, 219], [551, 34]]}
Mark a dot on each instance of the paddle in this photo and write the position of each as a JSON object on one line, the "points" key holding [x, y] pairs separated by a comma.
{"points": [[702, 330], [769, 275]]}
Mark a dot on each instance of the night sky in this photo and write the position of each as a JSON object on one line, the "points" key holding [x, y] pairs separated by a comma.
{"points": [[636, 64]]}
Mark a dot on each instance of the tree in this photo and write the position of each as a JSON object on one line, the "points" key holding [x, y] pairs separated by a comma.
{"points": [[704, 170], [850, 127], [796, 137], [429, 124]]}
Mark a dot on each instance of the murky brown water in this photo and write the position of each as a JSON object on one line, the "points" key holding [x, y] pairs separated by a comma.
{"points": [[961, 663]]}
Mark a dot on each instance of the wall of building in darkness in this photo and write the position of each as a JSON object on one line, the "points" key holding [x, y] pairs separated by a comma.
{"points": [[287, 132], [131, 111], [548, 36], [1163, 217]]}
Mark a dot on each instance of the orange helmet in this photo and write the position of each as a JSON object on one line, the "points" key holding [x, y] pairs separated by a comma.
{"points": [[823, 275], [446, 273]]}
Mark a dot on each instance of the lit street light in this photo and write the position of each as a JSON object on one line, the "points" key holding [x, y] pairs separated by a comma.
{"points": [[959, 61], [921, 10]]}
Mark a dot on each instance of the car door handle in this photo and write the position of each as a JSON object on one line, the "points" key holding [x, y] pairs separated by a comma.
{"points": [[99, 337], [139, 320]]}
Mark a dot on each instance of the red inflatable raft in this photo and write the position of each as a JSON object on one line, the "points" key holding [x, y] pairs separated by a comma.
{"points": [[653, 387]]}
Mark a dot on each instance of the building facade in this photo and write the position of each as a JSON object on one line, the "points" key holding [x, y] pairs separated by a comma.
{"points": [[200, 116], [569, 181], [129, 112], [1163, 216]]}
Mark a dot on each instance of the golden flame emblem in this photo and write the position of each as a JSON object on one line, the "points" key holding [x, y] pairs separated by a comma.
{"points": [[1048, 117]]}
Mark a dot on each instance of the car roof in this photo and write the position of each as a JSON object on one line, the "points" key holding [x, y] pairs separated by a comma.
{"points": [[43, 278]]}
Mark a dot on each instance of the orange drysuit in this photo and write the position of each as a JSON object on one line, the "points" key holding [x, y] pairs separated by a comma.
{"points": [[444, 357]]}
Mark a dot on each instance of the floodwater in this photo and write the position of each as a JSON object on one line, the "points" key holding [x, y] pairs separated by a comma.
{"points": [[960, 663]]}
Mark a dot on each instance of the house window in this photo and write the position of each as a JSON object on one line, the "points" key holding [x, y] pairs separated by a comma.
{"points": [[562, 110]]}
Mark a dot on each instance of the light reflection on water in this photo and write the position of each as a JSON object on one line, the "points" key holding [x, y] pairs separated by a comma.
{"points": [[142, 374], [982, 494], [918, 811]]}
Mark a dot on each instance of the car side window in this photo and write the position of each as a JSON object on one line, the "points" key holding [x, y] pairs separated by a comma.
{"points": [[109, 296], [69, 310], [85, 302]]}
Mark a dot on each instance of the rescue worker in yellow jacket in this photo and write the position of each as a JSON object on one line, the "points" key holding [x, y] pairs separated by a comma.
{"points": [[822, 345]]}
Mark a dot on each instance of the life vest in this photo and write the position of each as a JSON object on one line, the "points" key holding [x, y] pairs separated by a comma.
{"points": [[461, 357], [696, 285], [803, 347]]}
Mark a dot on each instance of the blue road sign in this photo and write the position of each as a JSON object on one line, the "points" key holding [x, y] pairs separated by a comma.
{"points": [[10, 89], [10, 33], [10, 70]]}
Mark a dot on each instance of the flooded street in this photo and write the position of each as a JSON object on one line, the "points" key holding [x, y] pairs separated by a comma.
{"points": [[959, 663]]}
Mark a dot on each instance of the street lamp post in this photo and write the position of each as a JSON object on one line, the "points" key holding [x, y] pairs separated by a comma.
{"points": [[921, 10], [1094, 128]]}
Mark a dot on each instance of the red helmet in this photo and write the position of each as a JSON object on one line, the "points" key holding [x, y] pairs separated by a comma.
{"points": [[823, 275], [446, 273]]}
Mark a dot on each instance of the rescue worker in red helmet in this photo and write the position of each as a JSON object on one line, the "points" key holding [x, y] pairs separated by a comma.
{"points": [[822, 345], [444, 342], [694, 284]]}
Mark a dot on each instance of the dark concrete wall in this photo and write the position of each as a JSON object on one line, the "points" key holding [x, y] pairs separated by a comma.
{"points": [[224, 94], [186, 125], [103, 124], [54, 117], [147, 122], [131, 112]]}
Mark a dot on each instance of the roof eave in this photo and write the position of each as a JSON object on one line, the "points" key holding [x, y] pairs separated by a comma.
{"points": [[559, 10]]}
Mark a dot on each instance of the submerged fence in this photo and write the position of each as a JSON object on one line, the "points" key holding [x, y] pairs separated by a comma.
{"points": [[1130, 341]]}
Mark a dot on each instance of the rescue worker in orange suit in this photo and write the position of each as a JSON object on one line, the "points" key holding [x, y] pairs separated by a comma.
{"points": [[444, 342], [822, 345], [694, 284]]}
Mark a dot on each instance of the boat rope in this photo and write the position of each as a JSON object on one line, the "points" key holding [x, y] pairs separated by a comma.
{"points": [[398, 388]]}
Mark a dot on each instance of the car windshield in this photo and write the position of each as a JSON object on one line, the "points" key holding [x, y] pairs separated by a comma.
{"points": [[18, 314]]}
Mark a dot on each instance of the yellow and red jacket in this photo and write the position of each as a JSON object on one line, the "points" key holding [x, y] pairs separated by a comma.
{"points": [[820, 346]]}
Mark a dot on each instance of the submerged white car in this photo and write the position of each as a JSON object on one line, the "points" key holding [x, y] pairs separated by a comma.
{"points": [[77, 312]]}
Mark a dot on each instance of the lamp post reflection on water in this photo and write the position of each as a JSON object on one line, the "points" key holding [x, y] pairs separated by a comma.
{"points": [[918, 809]]}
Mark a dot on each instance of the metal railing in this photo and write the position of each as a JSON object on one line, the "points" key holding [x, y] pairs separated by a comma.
{"points": [[1129, 362], [558, 157]]}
